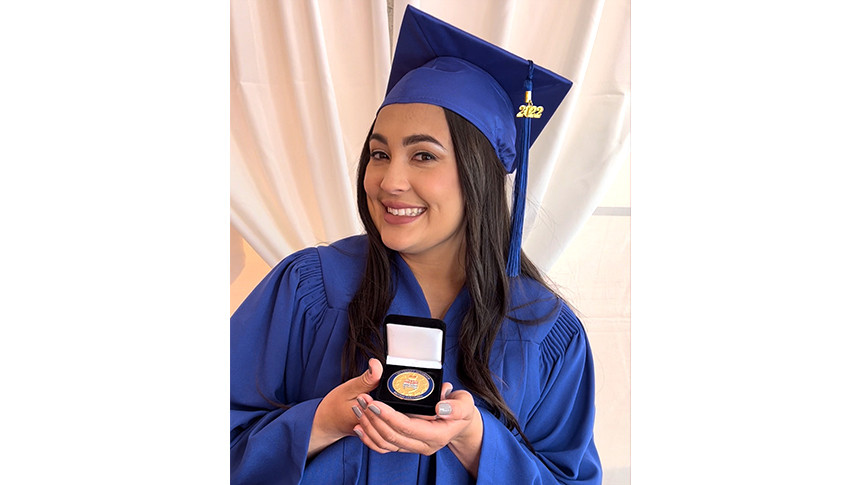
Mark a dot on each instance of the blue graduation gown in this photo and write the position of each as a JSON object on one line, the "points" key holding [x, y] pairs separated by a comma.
{"points": [[286, 343]]}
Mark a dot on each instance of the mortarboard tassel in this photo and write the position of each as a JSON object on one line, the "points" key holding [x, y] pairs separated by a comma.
{"points": [[519, 191]]}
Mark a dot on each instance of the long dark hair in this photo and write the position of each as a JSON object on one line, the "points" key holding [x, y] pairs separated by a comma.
{"points": [[487, 221]]}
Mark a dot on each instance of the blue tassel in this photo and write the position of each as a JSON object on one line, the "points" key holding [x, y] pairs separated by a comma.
{"points": [[519, 192]]}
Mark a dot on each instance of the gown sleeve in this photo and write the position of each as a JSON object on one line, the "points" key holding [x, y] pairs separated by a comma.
{"points": [[559, 425], [269, 339]]}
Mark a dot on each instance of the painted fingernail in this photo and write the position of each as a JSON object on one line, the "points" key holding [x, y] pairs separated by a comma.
{"points": [[444, 409], [374, 409], [357, 412], [362, 403], [358, 433], [448, 392]]}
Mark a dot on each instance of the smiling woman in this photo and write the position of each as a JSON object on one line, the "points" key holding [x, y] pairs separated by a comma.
{"points": [[517, 404]]}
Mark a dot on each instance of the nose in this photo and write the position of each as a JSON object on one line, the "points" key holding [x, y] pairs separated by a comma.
{"points": [[395, 178]]}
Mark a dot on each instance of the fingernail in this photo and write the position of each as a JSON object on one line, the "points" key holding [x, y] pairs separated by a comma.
{"points": [[358, 432], [362, 402], [447, 393], [357, 412], [444, 409], [374, 409]]}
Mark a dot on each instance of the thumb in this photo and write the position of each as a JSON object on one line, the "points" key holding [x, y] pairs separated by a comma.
{"points": [[457, 405], [370, 378]]}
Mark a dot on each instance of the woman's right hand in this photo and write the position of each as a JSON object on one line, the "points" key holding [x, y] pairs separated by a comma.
{"points": [[334, 418]]}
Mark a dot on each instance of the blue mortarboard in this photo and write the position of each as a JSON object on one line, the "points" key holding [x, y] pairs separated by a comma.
{"points": [[436, 63]]}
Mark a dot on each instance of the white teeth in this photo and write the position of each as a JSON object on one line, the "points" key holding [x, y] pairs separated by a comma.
{"points": [[412, 212]]}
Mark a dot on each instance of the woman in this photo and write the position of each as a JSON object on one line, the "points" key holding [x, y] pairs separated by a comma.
{"points": [[517, 406]]}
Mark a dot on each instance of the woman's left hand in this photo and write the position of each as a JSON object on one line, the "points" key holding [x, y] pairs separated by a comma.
{"points": [[457, 424]]}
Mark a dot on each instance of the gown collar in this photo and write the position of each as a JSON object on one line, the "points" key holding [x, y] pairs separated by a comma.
{"points": [[410, 300]]}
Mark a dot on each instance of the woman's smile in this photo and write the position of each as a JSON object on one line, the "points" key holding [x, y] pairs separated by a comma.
{"points": [[413, 212], [399, 214]]}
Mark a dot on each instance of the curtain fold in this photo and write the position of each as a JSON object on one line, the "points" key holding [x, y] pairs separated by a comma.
{"points": [[297, 118]]}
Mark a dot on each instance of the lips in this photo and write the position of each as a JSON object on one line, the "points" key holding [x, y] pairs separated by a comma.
{"points": [[398, 213]]}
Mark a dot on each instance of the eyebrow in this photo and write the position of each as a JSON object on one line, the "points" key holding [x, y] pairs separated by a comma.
{"points": [[409, 140]]}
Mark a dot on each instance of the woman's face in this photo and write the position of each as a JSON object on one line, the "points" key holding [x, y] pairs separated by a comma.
{"points": [[411, 182]]}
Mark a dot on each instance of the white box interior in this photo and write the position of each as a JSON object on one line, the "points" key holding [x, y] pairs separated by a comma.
{"points": [[412, 346]]}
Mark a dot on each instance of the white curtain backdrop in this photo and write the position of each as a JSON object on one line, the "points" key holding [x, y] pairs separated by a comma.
{"points": [[306, 78]]}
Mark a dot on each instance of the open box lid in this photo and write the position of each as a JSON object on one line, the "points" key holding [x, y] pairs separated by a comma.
{"points": [[414, 341]]}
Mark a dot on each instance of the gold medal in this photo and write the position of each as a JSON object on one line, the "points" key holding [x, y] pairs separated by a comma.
{"points": [[410, 385]]}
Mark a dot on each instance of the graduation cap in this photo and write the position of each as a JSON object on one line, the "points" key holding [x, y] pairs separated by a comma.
{"points": [[436, 63]]}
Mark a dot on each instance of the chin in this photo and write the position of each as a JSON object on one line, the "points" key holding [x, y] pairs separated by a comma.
{"points": [[394, 243]]}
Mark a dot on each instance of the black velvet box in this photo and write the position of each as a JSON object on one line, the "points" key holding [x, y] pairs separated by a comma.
{"points": [[413, 371]]}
